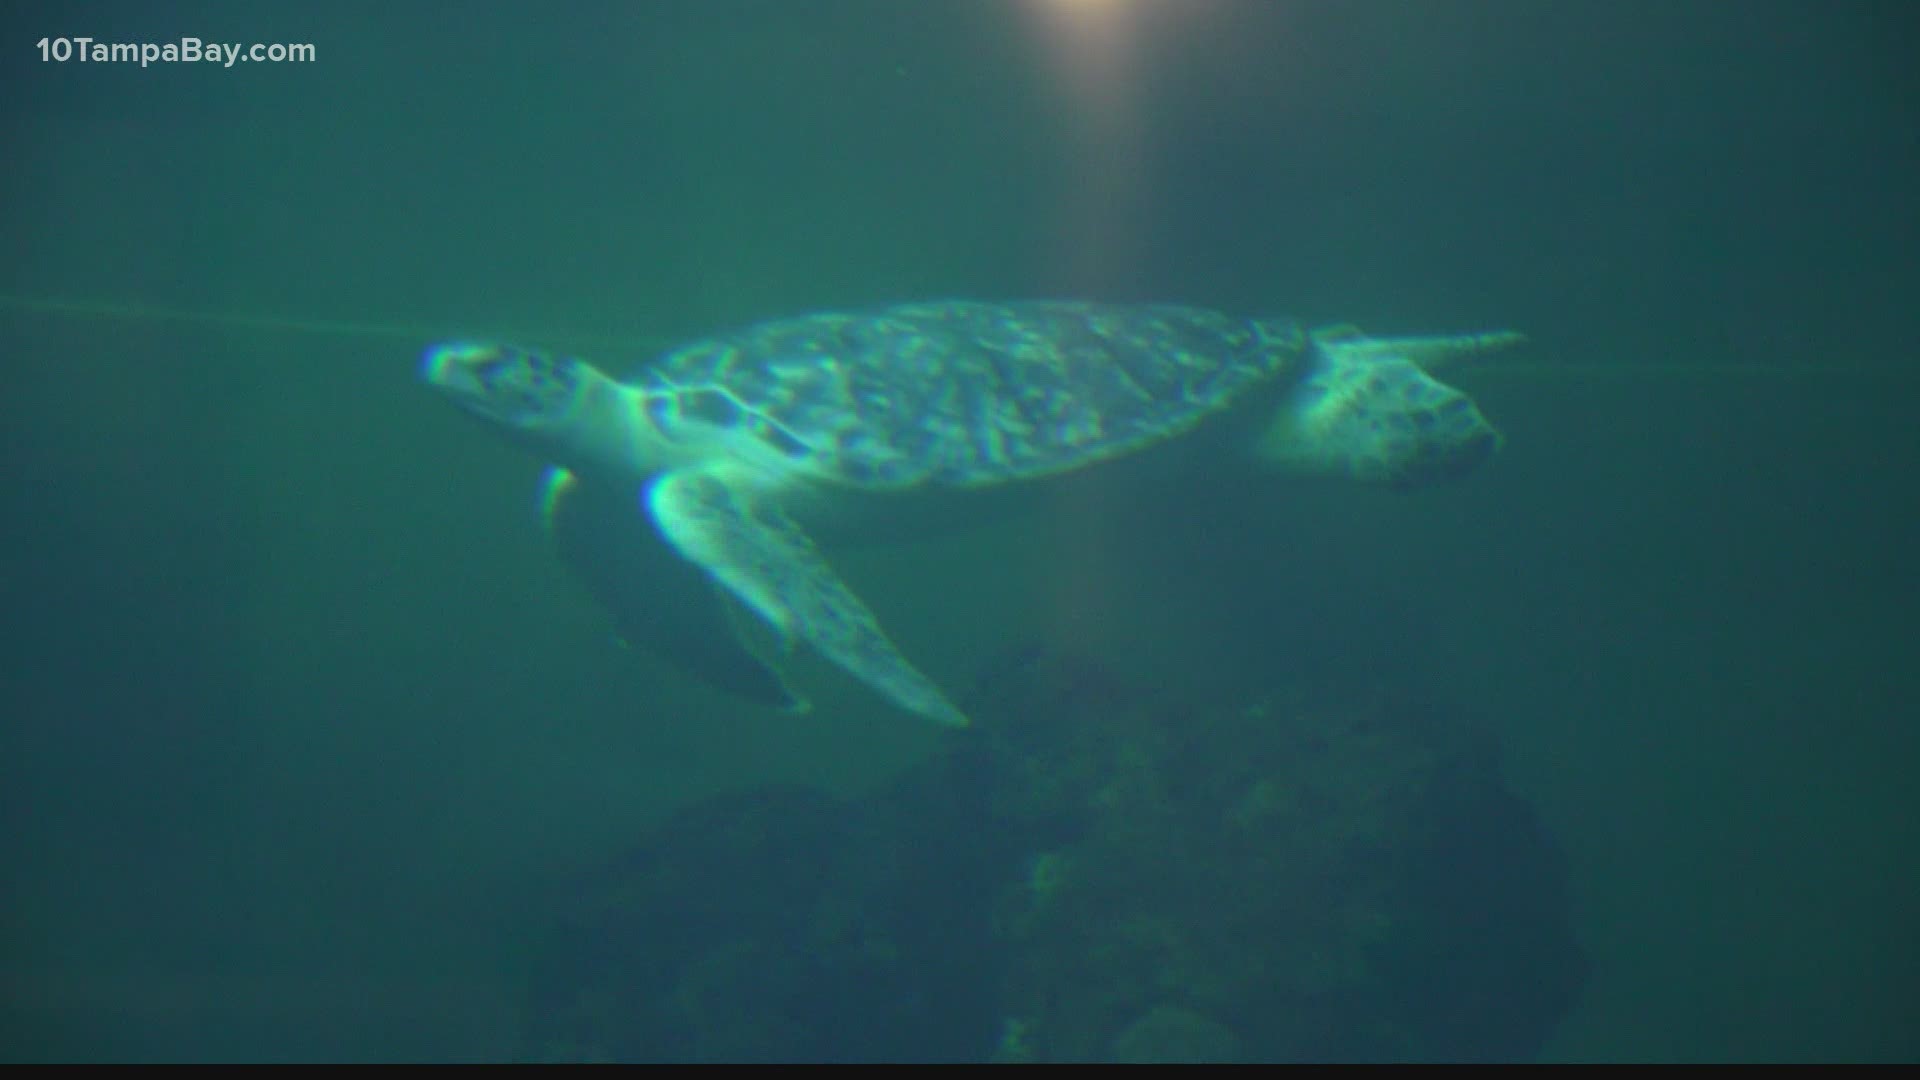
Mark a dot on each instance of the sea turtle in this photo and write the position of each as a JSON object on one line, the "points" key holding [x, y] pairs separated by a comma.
{"points": [[724, 447]]}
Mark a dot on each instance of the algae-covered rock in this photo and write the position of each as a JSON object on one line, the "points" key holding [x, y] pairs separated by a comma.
{"points": [[1091, 873], [773, 925], [1173, 1035], [1319, 880]]}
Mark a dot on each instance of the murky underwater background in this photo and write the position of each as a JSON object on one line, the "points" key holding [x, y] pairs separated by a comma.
{"points": [[305, 738]]}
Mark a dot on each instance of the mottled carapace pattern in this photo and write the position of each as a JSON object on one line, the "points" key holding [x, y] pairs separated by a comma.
{"points": [[966, 394]]}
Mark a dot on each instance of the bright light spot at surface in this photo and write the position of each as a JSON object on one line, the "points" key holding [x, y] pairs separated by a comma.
{"points": [[1100, 57], [1092, 45]]}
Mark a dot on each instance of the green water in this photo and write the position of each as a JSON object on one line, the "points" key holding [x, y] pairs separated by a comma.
{"points": [[298, 719]]}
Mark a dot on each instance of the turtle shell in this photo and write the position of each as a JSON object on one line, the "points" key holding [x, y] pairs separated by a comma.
{"points": [[966, 394]]}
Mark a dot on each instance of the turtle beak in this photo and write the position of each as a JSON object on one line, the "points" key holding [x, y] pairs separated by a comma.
{"points": [[469, 374], [460, 367]]}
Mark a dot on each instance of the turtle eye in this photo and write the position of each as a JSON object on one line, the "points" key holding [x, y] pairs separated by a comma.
{"points": [[488, 372]]}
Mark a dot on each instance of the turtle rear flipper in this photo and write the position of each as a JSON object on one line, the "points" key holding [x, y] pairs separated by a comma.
{"points": [[1369, 409]]}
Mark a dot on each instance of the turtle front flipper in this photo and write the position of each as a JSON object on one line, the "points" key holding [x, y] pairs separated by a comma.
{"points": [[659, 602], [759, 555]]}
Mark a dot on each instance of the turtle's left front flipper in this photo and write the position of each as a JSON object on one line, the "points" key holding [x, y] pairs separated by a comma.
{"points": [[758, 554]]}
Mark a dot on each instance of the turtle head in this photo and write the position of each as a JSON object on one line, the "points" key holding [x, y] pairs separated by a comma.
{"points": [[560, 407], [525, 391]]}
